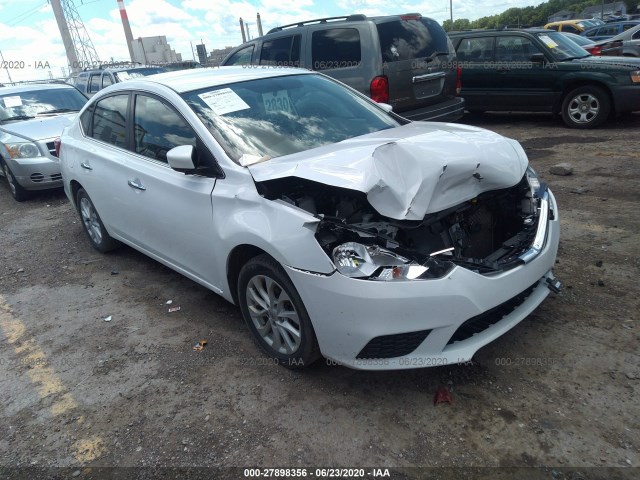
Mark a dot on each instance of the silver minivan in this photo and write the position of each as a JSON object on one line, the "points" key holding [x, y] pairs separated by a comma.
{"points": [[406, 61]]}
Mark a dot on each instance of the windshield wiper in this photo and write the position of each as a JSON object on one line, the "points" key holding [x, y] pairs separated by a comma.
{"points": [[58, 110], [18, 117]]}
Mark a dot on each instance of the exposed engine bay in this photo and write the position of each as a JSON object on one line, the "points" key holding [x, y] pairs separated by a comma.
{"points": [[486, 234]]}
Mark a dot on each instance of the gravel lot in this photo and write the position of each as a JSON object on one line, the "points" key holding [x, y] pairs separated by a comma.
{"points": [[558, 392]]}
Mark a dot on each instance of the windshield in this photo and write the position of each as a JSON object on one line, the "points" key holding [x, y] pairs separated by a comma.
{"points": [[28, 104], [137, 73], [260, 119], [560, 46]]}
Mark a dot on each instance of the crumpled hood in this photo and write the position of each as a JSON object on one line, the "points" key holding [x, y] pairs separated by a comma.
{"points": [[409, 171], [40, 128]]}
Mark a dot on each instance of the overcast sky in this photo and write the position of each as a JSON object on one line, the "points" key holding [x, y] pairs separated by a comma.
{"points": [[29, 34]]}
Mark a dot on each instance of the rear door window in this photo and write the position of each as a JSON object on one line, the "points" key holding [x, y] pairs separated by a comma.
{"points": [[109, 120], [335, 48], [476, 50], [94, 83], [281, 52], [241, 57], [410, 39]]}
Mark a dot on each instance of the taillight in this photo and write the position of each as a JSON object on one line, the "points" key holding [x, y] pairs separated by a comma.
{"points": [[57, 144], [380, 89], [458, 79], [597, 50]]}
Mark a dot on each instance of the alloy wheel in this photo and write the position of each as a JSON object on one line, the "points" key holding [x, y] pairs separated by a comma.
{"points": [[273, 314]]}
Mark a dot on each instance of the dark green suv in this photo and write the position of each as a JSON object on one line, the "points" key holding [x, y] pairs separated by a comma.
{"points": [[537, 70]]}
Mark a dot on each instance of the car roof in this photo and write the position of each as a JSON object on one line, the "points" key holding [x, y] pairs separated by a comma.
{"points": [[195, 79], [499, 30], [34, 87], [567, 22]]}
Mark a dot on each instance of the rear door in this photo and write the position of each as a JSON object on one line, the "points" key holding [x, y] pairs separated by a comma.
{"points": [[342, 52], [418, 60], [478, 72]]}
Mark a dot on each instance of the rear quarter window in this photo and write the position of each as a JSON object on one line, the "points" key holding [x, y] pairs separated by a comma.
{"points": [[410, 39], [241, 57], [281, 52], [335, 48]]}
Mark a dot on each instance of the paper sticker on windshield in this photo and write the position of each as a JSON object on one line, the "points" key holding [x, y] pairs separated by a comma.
{"points": [[277, 102], [223, 101], [14, 101], [548, 41]]}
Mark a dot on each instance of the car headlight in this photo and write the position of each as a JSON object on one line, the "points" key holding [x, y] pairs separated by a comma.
{"points": [[635, 76], [532, 178], [22, 150], [356, 260]]}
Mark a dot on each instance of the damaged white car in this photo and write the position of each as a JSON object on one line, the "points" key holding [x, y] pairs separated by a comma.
{"points": [[340, 229]]}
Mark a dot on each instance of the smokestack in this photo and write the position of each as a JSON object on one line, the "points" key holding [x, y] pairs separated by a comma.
{"points": [[244, 38], [259, 25], [127, 28]]}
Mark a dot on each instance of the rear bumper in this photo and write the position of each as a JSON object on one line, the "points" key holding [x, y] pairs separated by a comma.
{"points": [[448, 111]]}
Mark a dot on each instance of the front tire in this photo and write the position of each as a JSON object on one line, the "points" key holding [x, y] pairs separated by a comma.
{"points": [[275, 314], [586, 107], [92, 224], [19, 193]]}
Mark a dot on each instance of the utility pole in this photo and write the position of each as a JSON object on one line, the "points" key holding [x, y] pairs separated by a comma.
{"points": [[78, 45], [451, 11]]}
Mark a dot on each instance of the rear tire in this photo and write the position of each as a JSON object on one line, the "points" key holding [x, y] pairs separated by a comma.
{"points": [[275, 313], [19, 193], [93, 225], [586, 107]]}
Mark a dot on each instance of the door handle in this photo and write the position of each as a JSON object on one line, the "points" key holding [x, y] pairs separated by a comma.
{"points": [[135, 183], [86, 166]]}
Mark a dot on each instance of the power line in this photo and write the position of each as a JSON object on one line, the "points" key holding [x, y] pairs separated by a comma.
{"points": [[29, 13]]}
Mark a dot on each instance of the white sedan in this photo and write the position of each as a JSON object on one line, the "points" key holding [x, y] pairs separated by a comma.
{"points": [[340, 229]]}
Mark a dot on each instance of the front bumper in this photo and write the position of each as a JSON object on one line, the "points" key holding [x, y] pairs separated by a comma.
{"points": [[38, 173], [626, 98], [348, 314]]}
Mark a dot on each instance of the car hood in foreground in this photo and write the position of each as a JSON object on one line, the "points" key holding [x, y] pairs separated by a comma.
{"points": [[409, 171], [40, 128]]}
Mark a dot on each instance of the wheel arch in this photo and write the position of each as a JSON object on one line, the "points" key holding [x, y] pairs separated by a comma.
{"points": [[583, 83], [74, 185], [238, 257]]}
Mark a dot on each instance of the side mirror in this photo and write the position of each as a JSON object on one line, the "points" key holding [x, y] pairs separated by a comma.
{"points": [[538, 58], [386, 107], [181, 158]]}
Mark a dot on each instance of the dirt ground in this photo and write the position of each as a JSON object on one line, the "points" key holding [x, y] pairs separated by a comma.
{"points": [[559, 392]]}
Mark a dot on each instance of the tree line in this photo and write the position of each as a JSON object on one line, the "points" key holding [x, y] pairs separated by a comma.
{"points": [[527, 16]]}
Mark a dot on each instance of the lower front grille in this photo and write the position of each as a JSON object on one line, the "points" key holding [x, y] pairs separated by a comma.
{"points": [[481, 322], [56, 176], [36, 177], [391, 346]]}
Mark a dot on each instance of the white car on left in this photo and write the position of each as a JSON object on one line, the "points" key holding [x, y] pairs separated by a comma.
{"points": [[32, 117]]}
